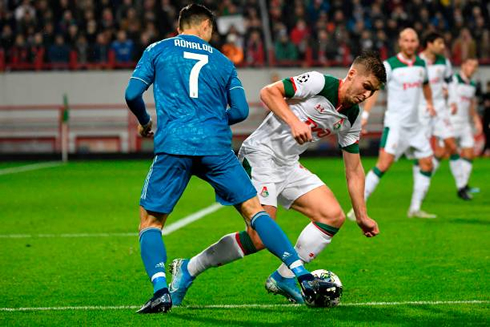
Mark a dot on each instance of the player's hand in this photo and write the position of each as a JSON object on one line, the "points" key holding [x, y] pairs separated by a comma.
{"points": [[301, 132], [431, 110], [454, 108], [146, 131], [369, 227], [445, 93], [364, 122], [478, 127]]}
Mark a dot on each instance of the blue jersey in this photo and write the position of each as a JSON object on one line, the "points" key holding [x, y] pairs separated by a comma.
{"points": [[191, 84]]}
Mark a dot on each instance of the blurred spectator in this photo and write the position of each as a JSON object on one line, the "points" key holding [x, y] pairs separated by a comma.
{"points": [[72, 36], [37, 49], [321, 47], [131, 24], [252, 19], [66, 21], [123, 48], [7, 38], [227, 7], [91, 31], [140, 46], [26, 22], [254, 51], [82, 49], [351, 25], [464, 47], [101, 49], [299, 36], [48, 34], [59, 52], [24, 9], [284, 49], [232, 49], [19, 52]]}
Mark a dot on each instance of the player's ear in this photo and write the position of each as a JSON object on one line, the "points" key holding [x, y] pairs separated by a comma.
{"points": [[352, 73]]}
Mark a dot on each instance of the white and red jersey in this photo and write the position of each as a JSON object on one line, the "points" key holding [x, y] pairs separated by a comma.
{"points": [[314, 99], [404, 81], [462, 93], [440, 72]]}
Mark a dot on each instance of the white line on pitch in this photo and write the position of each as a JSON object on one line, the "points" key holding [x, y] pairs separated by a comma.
{"points": [[15, 170], [166, 231], [242, 306], [191, 218]]}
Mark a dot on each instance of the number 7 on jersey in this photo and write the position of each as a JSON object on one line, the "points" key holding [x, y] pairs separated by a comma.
{"points": [[194, 78]]}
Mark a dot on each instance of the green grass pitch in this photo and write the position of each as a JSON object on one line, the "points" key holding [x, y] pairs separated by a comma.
{"points": [[445, 259]]}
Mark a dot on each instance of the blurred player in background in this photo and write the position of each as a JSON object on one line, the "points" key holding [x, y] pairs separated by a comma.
{"points": [[193, 84], [440, 73], [486, 121], [462, 101], [403, 134], [304, 109]]}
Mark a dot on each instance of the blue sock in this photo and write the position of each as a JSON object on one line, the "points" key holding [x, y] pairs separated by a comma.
{"points": [[154, 256], [277, 242]]}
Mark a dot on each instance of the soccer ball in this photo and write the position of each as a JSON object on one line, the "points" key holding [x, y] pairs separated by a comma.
{"points": [[330, 299]]}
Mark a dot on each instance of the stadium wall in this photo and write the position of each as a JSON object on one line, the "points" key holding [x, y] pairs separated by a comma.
{"points": [[101, 87], [31, 112]]}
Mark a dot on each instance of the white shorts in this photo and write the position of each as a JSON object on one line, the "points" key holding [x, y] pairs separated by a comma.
{"points": [[464, 135], [412, 142], [427, 125], [276, 183], [439, 126], [442, 127]]}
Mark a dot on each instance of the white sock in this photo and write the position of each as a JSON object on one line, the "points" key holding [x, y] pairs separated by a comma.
{"points": [[310, 243], [467, 166], [435, 163], [415, 169], [220, 253], [421, 185], [372, 180], [457, 171]]}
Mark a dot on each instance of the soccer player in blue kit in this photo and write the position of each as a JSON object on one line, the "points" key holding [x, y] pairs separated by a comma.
{"points": [[193, 84]]}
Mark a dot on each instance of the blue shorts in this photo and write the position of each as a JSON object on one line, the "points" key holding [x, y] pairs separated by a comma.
{"points": [[169, 175]]}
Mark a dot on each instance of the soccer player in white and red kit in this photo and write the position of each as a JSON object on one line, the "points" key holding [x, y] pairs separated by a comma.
{"points": [[407, 80]]}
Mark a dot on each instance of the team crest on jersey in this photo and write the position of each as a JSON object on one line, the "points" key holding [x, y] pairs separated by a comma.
{"points": [[264, 193], [303, 78], [320, 108], [338, 124]]}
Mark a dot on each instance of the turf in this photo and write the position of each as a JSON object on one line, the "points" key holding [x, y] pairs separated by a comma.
{"points": [[445, 259]]}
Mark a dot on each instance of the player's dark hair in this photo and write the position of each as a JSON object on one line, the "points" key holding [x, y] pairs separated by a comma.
{"points": [[373, 64], [194, 14], [431, 37], [468, 59]]}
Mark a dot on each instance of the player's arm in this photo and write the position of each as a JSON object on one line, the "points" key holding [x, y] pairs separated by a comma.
{"points": [[427, 91], [428, 98], [476, 117], [273, 97], [354, 173], [453, 96], [143, 76], [134, 100], [237, 100]]}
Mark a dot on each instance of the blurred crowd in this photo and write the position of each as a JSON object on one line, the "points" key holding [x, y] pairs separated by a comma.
{"points": [[89, 34]]}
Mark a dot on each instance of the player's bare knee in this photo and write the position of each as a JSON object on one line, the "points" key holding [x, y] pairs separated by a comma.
{"points": [[249, 208], [335, 218], [451, 147], [148, 219], [426, 164]]}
